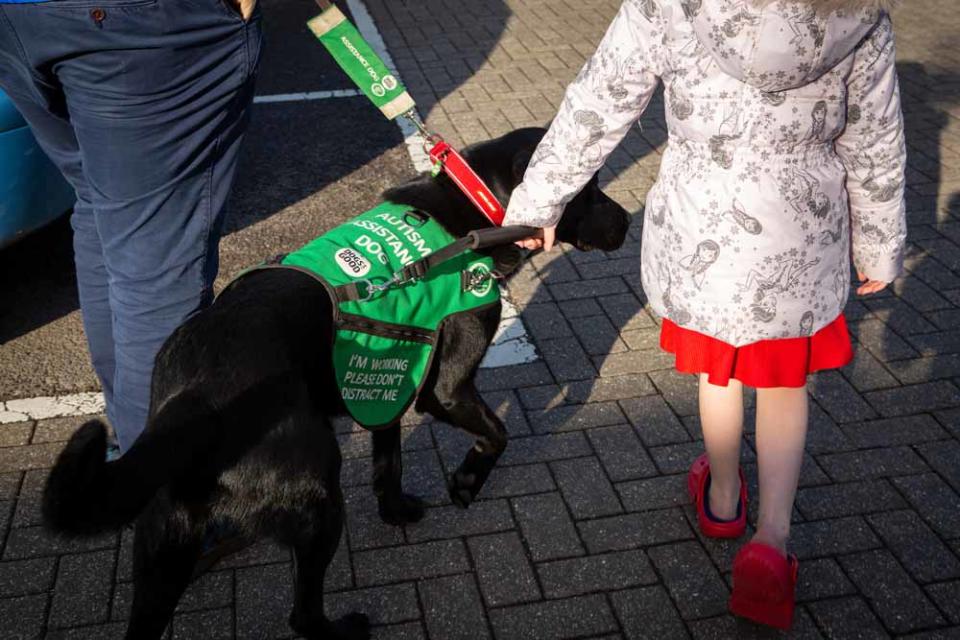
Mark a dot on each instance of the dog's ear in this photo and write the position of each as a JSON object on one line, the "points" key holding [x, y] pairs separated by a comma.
{"points": [[520, 162], [419, 192]]}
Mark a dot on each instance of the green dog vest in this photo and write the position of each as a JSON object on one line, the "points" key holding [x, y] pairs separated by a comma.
{"points": [[383, 345]]}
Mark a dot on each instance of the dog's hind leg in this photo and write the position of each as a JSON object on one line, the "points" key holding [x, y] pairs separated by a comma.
{"points": [[395, 506], [167, 543], [315, 544]]}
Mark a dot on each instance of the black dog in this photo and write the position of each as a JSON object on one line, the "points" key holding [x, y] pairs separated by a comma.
{"points": [[239, 427]]}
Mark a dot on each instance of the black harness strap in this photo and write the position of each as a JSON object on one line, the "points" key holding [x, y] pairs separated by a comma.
{"points": [[478, 239]]}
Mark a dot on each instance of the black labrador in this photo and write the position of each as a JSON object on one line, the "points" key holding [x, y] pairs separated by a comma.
{"points": [[240, 431]]}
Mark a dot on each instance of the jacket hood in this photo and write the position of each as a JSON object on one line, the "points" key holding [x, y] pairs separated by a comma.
{"points": [[781, 44]]}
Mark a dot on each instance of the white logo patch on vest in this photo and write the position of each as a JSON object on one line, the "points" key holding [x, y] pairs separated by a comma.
{"points": [[481, 273], [352, 263]]}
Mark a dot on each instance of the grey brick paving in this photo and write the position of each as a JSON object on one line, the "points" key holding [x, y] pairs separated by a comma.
{"points": [[520, 480], [947, 596], [584, 528], [848, 499], [822, 578], [911, 399], [451, 522], [730, 627], [847, 618], [410, 562], [263, 599], [899, 602], [894, 431], [634, 530], [936, 502], [558, 619], [575, 417], [81, 593], [18, 578], [611, 388], [942, 458], [453, 609], [585, 488], [871, 463], [504, 570], [830, 537], [655, 422], [547, 528], [383, 605], [917, 547], [564, 578], [691, 578], [648, 613], [215, 624], [621, 453], [22, 617], [654, 493]]}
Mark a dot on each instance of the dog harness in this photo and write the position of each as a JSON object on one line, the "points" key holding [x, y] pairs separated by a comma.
{"points": [[390, 299]]}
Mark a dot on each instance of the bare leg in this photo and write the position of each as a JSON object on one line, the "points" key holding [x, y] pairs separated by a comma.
{"points": [[781, 433], [721, 418]]}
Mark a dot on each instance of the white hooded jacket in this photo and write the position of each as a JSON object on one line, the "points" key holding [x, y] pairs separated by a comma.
{"points": [[786, 144]]}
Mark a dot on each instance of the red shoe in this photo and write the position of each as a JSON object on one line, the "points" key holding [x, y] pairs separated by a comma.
{"points": [[764, 582], [712, 528]]}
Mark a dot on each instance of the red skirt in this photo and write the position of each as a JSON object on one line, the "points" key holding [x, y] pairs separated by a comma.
{"points": [[768, 363]]}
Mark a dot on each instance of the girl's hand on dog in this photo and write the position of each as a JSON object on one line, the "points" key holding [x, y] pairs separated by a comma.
{"points": [[869, 286], [546, 242]]}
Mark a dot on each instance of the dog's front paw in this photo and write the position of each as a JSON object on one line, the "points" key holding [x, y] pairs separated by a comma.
{"points": [[463, 488], [402, 509], [353, 626]]}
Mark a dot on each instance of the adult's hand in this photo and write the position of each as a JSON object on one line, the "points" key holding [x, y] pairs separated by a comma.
{"points": [[245, 7], [546, 242]]}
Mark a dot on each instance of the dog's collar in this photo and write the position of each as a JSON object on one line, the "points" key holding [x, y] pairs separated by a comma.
{"points": [[445, 158]]}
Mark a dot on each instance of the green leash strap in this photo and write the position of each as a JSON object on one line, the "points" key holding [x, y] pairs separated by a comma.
{"points": [[359, 61]]}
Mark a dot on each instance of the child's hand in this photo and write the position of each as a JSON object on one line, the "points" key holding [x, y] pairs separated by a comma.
{"points": [[546, 242], [869, 286]]}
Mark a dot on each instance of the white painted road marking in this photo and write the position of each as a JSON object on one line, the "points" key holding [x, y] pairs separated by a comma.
{"points": [[79, 404], [307, 97], [511, 345]]}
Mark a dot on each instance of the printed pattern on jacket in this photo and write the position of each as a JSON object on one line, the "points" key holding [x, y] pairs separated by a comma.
{"points": [[786, 141]]}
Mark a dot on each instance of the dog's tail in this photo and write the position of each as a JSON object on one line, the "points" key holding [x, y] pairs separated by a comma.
{"points": [[86, 495]]}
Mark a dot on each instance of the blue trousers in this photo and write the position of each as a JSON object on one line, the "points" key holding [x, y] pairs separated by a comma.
{"points": [[143, 105]]}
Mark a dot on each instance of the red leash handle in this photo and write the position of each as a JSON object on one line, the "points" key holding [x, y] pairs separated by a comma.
{"points": [[468, 181]]}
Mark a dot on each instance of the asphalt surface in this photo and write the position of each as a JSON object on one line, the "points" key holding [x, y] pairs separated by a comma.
{"points": [[306, 167]]}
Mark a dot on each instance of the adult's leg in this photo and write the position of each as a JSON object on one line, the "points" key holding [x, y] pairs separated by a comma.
{"points": [[721, 419], [781, 434], [158, 94], [41, 102]]}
